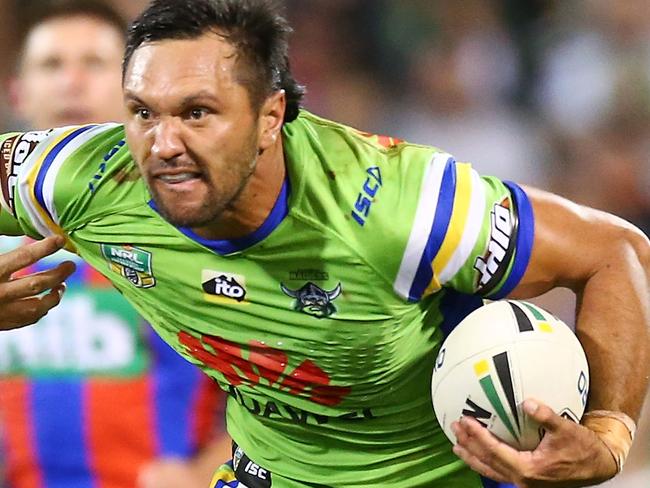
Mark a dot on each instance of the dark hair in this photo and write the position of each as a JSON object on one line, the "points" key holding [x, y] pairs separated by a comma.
{"points": [[54, 9], [256, 28]]}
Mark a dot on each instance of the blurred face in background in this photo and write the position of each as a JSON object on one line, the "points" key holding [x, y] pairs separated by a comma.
{"points": [[70, 73]]}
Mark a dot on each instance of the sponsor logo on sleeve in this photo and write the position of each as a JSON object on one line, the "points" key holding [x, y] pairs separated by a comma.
{"points": [[493, 264], [8, 174], [132, 263], [13, 153]]}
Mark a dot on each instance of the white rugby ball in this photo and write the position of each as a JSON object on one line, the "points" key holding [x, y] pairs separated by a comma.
{"points": [[498, 356]]}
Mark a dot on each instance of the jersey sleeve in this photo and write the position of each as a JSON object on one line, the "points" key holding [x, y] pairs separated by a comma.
{"points": [[470, 233], [45, 175]]}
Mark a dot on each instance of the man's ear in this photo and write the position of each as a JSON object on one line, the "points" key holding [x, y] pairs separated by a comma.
{"points": [[271, 119]]}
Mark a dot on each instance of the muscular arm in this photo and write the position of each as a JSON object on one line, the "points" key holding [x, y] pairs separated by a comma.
{"points": [[606, 261]]}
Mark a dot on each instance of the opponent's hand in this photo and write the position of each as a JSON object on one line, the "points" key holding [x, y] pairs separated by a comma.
{"points": [[22, 300], [570, 455]]}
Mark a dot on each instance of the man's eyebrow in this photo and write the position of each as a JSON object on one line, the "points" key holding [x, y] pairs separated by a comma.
{"points": [[129, 95], [202, 95], [188, 100]]}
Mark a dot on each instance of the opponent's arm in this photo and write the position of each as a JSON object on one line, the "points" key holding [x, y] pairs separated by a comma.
{"points": [[606, 261]]}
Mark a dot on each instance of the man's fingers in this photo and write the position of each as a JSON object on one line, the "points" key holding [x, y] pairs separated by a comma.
{"points": [[543, 414], [477, 465], [28, 311], [29, 254], [35, 284], [481, 444]]}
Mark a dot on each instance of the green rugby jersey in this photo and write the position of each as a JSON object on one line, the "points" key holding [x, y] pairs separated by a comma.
{"points": [[322, 325]]}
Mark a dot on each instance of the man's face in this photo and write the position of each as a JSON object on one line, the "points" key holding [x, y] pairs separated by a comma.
{"points": [[70, 73], [191, 127]]}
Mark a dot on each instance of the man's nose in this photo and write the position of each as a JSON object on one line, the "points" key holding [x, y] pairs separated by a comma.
{"points": [[168, 142]]}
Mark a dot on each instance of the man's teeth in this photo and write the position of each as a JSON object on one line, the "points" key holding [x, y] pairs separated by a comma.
{"points": [[179, 178]]}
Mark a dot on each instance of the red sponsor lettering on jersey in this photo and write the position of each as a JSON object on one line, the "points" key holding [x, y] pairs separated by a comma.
{"points": [[263, 363]]}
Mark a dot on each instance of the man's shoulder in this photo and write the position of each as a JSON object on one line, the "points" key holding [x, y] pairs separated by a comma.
{"points": [[35, 155], [48, 177]]}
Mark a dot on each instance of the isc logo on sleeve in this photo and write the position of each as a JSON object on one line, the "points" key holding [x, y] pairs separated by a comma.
{"points": [[250, 473]]}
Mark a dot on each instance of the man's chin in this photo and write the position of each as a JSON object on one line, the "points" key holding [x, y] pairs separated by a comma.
{"points": [[185, 215]]}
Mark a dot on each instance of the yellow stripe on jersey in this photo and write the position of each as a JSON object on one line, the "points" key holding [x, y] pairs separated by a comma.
{"points": [[473, 226], [224, 473], [460, 211], [37, 182], [33, 203]]}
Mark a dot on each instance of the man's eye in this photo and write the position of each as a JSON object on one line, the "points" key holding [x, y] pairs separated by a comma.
{"points": [[197, 113], [143, 113]]}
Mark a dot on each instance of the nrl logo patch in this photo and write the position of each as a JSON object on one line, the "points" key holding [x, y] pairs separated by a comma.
{"points": [[132, 263], [313, 300]]}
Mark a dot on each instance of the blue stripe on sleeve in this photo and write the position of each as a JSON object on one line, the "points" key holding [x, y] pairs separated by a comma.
{"points": [[444, 209], [525, 238], [175, 383], [59, 421], [47, 163]]}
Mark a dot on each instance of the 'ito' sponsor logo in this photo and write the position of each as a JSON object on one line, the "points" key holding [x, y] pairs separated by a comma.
{"points": [[220, 287]]}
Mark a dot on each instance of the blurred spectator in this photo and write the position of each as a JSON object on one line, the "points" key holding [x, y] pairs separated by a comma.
{"points": [[593, 50], [459, 91], [70, 68], [91, 396]]}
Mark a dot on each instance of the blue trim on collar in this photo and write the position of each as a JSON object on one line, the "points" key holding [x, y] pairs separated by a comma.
{"points": [[228, 246]]}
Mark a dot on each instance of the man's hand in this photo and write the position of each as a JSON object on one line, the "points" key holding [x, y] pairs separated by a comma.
{"points": [[22, 300], [570, 455]]}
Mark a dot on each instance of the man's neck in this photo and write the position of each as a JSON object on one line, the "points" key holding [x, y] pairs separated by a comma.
{"points": [[256, 200]]}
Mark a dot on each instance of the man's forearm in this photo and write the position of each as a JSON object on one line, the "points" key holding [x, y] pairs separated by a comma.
{"points": [[613, 327]]}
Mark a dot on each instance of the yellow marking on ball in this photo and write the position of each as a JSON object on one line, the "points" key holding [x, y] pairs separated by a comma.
{"points": [[482, 367]]}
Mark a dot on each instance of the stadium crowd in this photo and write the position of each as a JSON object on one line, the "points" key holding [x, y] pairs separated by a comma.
{"points": [[551, 93]]}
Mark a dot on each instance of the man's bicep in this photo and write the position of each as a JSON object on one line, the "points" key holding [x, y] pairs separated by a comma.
{"points": [[571, 242]]}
